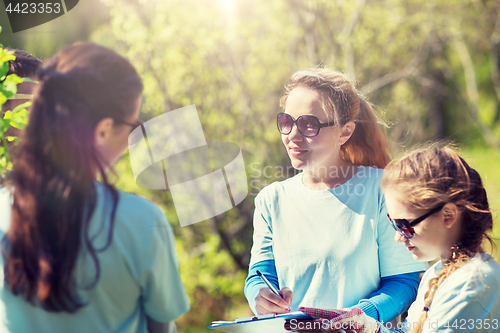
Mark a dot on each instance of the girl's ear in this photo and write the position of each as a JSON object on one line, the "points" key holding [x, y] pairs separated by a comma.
{"points": [[102, 131], [347, 131], [451, 214]]}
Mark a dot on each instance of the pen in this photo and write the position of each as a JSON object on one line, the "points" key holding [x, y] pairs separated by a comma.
{"points": [[263, 278]]}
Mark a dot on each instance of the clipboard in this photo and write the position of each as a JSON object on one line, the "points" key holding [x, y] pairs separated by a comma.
{"points": [[264, 323]]}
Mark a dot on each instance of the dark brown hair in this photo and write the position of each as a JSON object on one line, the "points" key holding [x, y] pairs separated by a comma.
{"points": [[25, 64], [55, 168], [341, 102]]}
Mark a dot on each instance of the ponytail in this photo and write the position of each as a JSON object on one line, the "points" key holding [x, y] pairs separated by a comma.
{"points": [[368, 143], [55, 170]]}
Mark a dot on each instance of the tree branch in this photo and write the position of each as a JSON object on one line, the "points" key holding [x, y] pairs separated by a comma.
{"points": [[472, 91]]}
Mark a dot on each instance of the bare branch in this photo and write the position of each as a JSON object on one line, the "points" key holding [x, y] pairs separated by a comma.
{"points": [[409, 70], [388, 79], [494, 59], [349, 28], [472, 91]]}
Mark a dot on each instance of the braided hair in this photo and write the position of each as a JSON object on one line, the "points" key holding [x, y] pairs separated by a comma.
{"points": [[433, 176]]}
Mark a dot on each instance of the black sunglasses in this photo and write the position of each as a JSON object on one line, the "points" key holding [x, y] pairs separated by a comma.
{"points": [[307, 125], [134, 125], [405, 227], [133, 138]]}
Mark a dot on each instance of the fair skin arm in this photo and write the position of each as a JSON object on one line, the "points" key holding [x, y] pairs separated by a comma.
{"points": [[267, 302]]}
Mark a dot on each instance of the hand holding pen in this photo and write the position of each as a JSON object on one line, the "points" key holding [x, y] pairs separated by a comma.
{"points": [[269, 300]]}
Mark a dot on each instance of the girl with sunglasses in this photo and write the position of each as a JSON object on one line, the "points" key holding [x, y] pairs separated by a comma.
{"points": [[77, 254], [439, 208], [322, 237]]}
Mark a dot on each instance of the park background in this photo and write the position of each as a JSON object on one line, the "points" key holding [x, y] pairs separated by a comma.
{"points": [[431, 68]]}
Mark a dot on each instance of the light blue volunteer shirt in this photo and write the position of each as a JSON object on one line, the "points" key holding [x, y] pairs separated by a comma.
{"points": [[139, 274], [330, 247], [467, 301]]}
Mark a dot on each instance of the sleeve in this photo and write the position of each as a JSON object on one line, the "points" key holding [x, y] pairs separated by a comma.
{"points": [[254, 283], [163, 295], [262, 248], [395, 295], [394, 259]]}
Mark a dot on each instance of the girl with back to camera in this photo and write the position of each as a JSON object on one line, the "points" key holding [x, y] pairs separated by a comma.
{"points": [[322, 237], [438, 206], [77, 254]]}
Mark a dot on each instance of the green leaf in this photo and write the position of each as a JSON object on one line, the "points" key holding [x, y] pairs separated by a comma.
{"points": [[12, 138], [27, 79], [19, 123], [21, 107], [6, 56], [3, 99], [17, 118], [9, 86], [4, 68], [4, 125], [13, 78], [7, 115]]}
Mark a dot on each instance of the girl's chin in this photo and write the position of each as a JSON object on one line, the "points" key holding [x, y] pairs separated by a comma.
{"points": [[422, 257], [297, 164]]}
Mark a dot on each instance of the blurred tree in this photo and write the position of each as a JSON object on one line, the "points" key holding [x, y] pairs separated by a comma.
{"points": [[433, 69]]}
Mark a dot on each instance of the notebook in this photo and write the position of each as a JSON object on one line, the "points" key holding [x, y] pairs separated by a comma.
{"points": [[259, 324]]}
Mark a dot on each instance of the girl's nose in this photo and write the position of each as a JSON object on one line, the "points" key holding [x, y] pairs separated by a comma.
{"points": [[295, 135], [398, 237]]}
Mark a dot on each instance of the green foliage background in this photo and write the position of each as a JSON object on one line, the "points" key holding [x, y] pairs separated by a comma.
{"points": [[17, 117], [431, 67]]}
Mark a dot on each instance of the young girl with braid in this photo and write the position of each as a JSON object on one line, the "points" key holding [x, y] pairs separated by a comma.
{"points": [[439, 208]]}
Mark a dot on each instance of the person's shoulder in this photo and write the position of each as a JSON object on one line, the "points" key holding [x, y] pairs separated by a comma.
{"points": [[369, 174], [480, 276], [368, 178], [483, 270], [131, 202], [131, 206], [431, 272]]}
